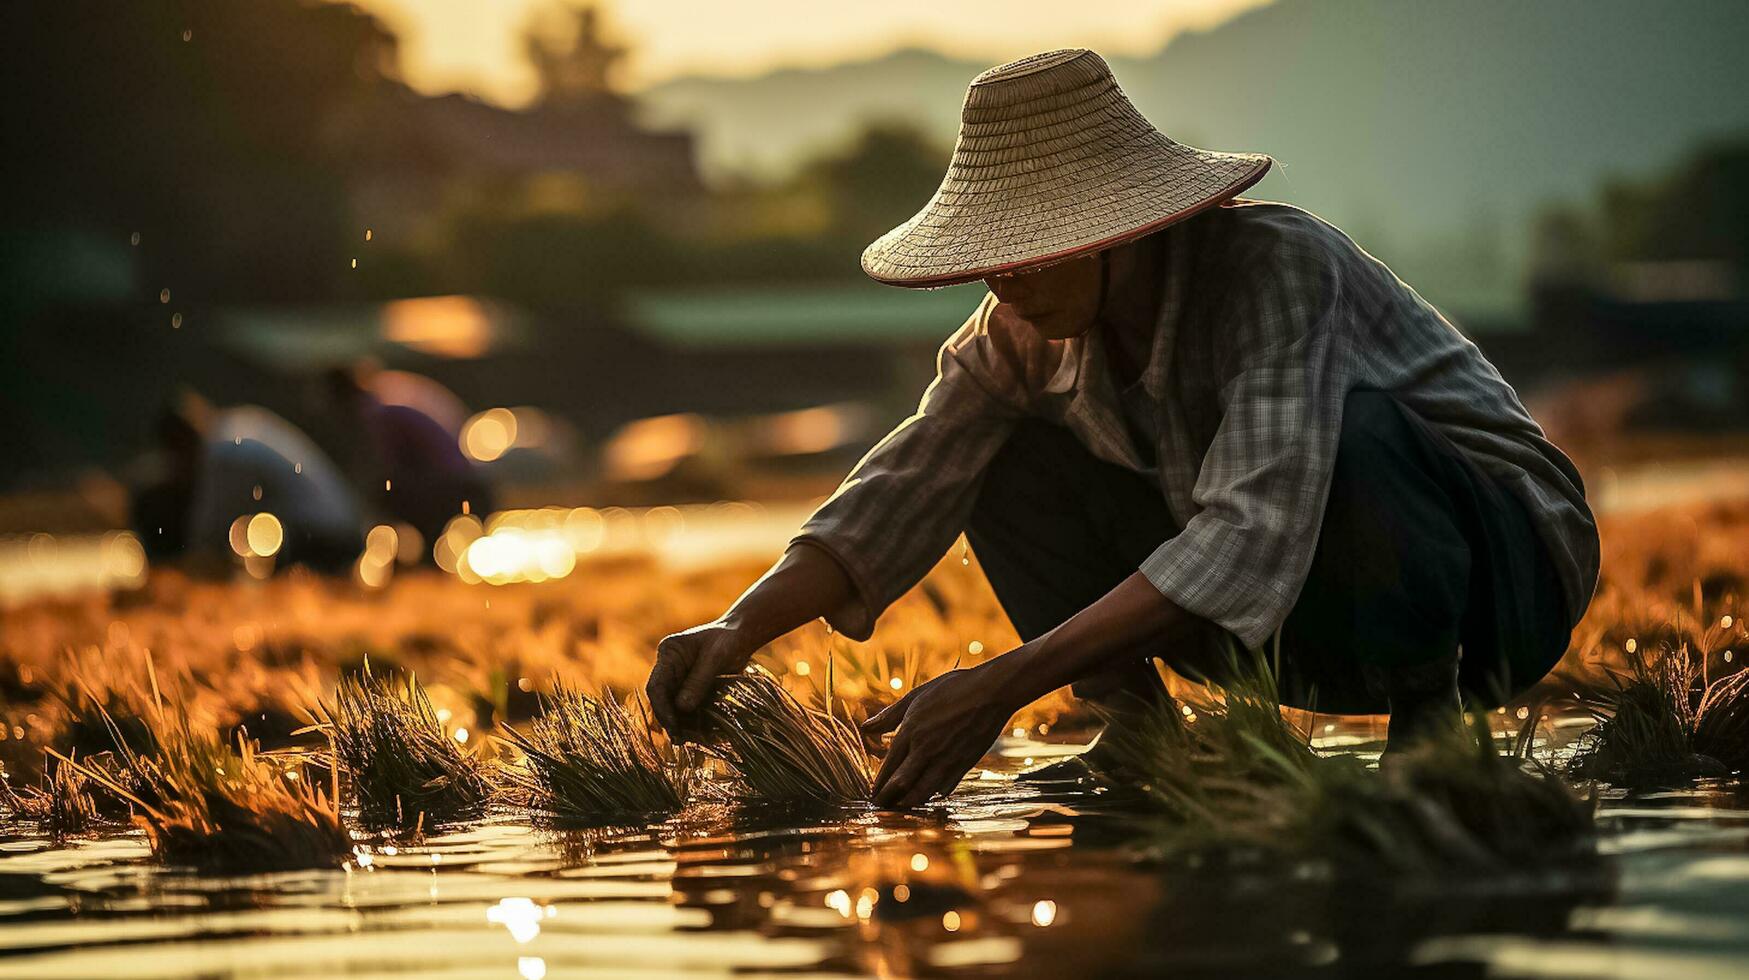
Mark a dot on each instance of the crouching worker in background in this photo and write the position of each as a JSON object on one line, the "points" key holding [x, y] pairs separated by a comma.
{"points": [[406, 465], [1178, 417], [218, 465]]}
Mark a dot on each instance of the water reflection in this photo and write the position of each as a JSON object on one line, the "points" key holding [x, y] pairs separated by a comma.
{"points": [[1010, 878]]}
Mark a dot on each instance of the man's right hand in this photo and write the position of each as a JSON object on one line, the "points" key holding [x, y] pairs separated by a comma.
{"points": [[806, 583], [687, 667]]}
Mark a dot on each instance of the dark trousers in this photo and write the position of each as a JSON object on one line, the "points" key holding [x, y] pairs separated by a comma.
{"points": [[1420, 554]]}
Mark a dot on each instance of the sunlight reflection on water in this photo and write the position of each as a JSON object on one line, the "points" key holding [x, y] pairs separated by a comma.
{"points": [[1008, 874]]}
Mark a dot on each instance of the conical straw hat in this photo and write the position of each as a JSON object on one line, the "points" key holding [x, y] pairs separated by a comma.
{"points": [[1052, 162]]}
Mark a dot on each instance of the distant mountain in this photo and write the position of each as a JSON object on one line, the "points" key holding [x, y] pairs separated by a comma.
{"points": [[1430, 130]]}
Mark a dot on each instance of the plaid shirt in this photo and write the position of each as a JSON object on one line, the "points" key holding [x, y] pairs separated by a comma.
{"points": [[1269, 317]]}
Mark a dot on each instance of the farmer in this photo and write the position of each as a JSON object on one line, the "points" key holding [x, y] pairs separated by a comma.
{"points": [[219, 464], [405, 462], [1179, 417]]}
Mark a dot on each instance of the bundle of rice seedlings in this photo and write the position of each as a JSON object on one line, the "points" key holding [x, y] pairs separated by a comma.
{"points": [[62, 806], [1231, 776], [404, 768], [587, 759], [1666, 722], [205, 804], [784, 751], [1454, 802], [92, 725], [1220, 770]]}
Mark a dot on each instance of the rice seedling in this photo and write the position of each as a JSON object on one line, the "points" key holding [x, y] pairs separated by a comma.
{"points": [[1666, 721], [1220, 776], [205, 804], [587, 759], [1457, 802], [404, 768], [782, 750], [62, 806], [1232, 776], [91, 725]]}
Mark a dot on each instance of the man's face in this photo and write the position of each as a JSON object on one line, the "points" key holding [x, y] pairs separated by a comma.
{"points": [[1058, 301]]}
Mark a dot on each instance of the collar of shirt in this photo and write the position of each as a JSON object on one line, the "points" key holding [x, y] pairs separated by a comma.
{"points": [[1084, 373]]}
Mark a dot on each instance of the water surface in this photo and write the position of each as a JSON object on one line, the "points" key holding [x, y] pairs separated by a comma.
{"points": [[1009, 878]]}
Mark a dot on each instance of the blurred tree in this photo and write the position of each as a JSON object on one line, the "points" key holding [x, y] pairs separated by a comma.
{"points": [[201, 125], [1697, 212], [564, 245], [881, 178], [1700, 210]]}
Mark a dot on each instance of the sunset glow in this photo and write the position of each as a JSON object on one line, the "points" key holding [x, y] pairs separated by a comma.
{"points": [[470, 46]]}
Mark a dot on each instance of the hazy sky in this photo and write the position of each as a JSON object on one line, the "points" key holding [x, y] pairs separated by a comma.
{"points": [[473, 45]]}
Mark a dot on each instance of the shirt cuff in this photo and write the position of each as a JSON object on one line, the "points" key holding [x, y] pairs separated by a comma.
{"points": [[1203, 577], [856, 618]]}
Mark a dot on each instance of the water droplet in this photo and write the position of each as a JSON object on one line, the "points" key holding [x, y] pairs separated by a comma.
{"points": [[187, 36], [164, 295], [176, 321], [367, 234], [355, 263], [134, 239]]}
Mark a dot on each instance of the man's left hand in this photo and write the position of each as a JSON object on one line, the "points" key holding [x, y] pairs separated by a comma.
{"points": [[944, 727]]}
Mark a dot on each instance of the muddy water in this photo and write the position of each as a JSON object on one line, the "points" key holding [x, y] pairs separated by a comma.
{"points": [[1008, 879]]}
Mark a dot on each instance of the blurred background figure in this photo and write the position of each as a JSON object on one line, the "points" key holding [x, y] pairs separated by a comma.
{"points": [[243, 480], [401, 448]]}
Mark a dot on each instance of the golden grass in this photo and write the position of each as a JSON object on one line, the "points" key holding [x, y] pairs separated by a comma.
{"points": [[1232, 776], [586, 759], [288, 641], [782, 750], [206, 804], [61, 807], [403, 767], [247, 649]]}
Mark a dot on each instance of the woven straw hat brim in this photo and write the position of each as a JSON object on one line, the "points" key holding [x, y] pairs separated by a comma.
{"points": [[1052, 162]]}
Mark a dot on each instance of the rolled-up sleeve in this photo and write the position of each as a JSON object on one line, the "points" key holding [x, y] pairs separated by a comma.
{"points": [[1241, 559], [904, 504]]}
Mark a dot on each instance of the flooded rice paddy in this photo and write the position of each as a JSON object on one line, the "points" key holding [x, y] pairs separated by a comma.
{"points": [[1006, 878]]}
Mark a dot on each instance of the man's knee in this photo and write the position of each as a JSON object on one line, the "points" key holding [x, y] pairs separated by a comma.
{"points": [[1034, 447], [1036, 456]]}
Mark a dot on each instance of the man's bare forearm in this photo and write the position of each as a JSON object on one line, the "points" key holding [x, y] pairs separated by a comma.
{"points": [[804, 585], [942, 726], [1119, 626]]}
